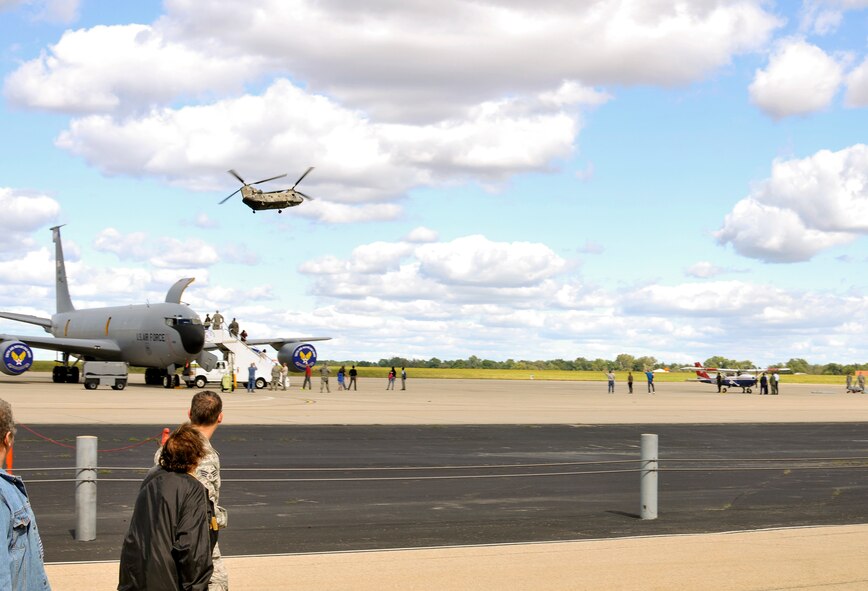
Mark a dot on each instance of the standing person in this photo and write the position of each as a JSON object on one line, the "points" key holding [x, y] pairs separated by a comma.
{"points": [[206, 414], [243, 336], [341, 373], [207, 322], [324, 377], [764, 384], [390, 385], [307, 371], [860, 379], [233, 328], [649, 375], [21, 555], [168, 544], [849, 382], [403, 379], [353, 374], [610, 376], [217, 320], [719, 380], [774, 380], [275, 377], [630, 382], [251, 378], [284, 375]]}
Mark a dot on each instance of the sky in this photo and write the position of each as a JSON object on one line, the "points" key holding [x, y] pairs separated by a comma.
{"points": [[511, 180]]}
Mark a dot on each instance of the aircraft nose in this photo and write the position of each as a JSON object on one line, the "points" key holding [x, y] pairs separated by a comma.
{"points": [[192, 337]]}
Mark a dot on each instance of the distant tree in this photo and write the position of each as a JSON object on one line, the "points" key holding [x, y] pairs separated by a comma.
{"points": [[624, 361], [582, 364], [797, 365], [643, 363], [834, 369]]}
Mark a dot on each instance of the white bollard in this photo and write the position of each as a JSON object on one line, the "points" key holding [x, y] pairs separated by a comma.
{"points": [[648, 476], [85, 488]]}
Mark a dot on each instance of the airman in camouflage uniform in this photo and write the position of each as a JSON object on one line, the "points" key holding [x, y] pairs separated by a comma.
{"points": [[275, 377], [205, 414]]}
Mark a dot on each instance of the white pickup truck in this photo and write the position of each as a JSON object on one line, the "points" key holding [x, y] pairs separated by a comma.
{"points": [[201, 378]]}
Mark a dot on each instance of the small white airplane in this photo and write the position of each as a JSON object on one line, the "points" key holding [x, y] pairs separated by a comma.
{"points": [[746, 379]]}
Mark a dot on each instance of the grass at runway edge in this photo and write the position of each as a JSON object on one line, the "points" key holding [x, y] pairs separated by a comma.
{"points": [[529, 374]]}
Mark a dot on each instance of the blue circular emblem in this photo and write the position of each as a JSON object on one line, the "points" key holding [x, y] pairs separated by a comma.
{"points": [[303, 356], [17, 358]]}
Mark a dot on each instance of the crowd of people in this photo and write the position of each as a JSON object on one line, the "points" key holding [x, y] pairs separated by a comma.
{"points": [[172, 540]]}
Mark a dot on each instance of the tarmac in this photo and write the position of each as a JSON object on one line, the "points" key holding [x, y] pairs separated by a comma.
{"points": [[830, 557]]}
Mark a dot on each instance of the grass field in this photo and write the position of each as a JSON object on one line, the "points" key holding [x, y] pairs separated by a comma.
{"points": [[528, 374]]}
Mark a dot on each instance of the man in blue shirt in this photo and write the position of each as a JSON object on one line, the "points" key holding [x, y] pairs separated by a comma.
{"points": [[21, 554], [251, 378], [650, 375]]}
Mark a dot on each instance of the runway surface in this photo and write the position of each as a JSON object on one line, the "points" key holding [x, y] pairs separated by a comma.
{"points": [[332, 504]]}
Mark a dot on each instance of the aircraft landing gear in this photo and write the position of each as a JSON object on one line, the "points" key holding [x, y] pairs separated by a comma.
{"points": [[64, 374], [153, 376]]}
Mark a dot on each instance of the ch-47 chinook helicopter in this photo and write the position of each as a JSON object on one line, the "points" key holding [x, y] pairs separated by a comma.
{"points": [[257, 199]]}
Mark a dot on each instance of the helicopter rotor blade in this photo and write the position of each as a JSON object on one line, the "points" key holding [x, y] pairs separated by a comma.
{"points": [[227, 199], [280, 176], [303, 196], [236, 175], [306, 172]]}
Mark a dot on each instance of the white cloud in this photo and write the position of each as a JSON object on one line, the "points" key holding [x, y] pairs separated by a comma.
{"points": [[857, 86], [703, 269], [805, 207], [407, 96], [23, 212], [822, 17], [203, 220], [160, 252], [800, 78], [422, 234], [359, 162], [58, 11], [477, 261], [122, 67], [553, 316], [405, 61]]}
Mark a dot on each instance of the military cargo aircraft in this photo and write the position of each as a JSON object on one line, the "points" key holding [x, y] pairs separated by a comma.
{"points": [[159, 337], [257, 199]]}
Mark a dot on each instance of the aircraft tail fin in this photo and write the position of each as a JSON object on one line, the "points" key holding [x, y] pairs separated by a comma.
{"points": [[701, 371], [64, 303]]}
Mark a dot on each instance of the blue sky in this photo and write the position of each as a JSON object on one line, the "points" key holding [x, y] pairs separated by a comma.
{"points": [[507, 180]]}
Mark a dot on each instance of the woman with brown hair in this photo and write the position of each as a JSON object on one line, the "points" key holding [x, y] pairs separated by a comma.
{"points": [[168, 545]]}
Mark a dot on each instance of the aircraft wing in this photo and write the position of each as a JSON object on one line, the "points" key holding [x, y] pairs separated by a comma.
{"points": [[104, 348], [277, 343]]}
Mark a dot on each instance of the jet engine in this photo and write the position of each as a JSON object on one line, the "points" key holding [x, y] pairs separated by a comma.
{"points": [[15, 358], [297, 356]]}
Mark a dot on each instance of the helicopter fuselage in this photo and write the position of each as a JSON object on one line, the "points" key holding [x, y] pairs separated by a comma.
{"points": [[257, 199]]}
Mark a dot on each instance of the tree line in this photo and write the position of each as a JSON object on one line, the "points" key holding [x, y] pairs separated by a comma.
{"points": [[622, 362]]}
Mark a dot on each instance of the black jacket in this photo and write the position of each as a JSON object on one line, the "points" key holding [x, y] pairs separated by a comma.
{"points": [[168, 546]]}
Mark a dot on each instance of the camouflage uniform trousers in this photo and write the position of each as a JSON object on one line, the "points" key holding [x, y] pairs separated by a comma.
{"points": [[219, 578]]}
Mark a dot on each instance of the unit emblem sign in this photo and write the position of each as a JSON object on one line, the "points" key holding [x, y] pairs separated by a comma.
{"points": [[303, 356], [18, 358]]}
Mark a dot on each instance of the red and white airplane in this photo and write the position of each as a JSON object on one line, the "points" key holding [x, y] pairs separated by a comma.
{"points": [[746, 379]]}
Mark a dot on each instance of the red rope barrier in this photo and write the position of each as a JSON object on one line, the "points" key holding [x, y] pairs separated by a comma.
{"points": [[55, 442]]}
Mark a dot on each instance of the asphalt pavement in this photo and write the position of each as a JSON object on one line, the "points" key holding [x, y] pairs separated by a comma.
{"points": [[490, 462]]}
